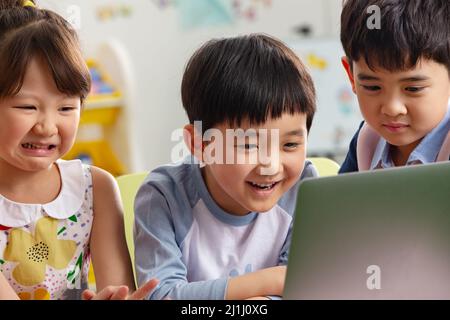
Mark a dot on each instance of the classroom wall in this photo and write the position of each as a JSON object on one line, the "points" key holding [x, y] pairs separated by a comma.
{"points": [[158, 47]]}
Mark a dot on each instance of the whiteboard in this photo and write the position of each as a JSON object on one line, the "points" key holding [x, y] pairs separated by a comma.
{"points": [[338, 116]]}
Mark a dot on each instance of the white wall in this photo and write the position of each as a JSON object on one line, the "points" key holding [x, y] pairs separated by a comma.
{"points": [[159, 50]]}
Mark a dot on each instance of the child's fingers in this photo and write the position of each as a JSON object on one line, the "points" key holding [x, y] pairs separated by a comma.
{"points": [[121, 293], [143, 291], [106, 293], [87, 295]]}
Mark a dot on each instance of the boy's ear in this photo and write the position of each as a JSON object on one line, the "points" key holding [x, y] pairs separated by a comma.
{"points": [[348, 70], [193, 141]]}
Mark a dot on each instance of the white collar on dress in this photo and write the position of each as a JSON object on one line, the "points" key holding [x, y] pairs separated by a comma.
{"points": [[66, 204]]}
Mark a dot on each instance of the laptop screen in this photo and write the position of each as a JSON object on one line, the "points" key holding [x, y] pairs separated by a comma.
{"points": [[382, 234]]}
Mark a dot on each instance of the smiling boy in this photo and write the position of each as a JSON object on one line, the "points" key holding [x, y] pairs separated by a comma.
{"points": [[221, 230]]}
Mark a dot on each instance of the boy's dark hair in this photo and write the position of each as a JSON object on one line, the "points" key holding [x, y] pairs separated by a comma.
{"points": [[251, 77], [26, 32], [410, 30]]}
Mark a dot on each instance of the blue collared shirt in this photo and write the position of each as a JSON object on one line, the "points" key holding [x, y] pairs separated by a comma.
{"points": [[425, 152]]}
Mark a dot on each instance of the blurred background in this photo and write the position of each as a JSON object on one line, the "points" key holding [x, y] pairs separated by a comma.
{"points": [[137, 51]]}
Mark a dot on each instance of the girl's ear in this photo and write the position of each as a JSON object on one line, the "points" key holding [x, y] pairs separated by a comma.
{"points": [[193, 141], [348, 69]]}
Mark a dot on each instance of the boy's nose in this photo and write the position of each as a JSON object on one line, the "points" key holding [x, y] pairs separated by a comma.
{"points": [[393, 108], [270, 166]]}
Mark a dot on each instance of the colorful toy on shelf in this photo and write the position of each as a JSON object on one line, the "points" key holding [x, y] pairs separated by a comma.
{"points": [[101, 109], [98, 84]]}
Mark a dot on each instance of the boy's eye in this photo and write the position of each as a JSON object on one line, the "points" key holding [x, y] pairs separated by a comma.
{"points": [[248, 146], [414, 89], [291, 145], [371, 88]]}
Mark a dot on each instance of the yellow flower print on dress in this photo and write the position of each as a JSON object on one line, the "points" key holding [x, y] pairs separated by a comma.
{"points": [[34, 253]]}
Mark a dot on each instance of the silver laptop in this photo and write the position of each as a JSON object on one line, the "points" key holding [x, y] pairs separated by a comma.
{"points": [[383, 234]]}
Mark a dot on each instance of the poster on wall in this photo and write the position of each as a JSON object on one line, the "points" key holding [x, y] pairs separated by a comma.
{"points": [[110, 12], [211, 13], [204, 13]]}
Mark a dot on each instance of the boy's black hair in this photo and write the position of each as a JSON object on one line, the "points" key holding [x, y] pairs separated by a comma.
{"points": [[251, 77], [410, 30]]}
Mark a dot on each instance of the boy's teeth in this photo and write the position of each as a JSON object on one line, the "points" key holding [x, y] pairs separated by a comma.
{"points": [[263, 186]]}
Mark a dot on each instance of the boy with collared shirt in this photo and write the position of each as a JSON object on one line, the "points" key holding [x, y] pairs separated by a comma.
{"points": [[401, 76]]}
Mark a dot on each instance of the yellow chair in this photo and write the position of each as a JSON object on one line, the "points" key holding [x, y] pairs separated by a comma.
{"points": [[129, 185], [325, 166]]}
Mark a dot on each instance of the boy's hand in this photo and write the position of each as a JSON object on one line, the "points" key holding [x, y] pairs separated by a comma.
{"points": [[120, 292]]}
